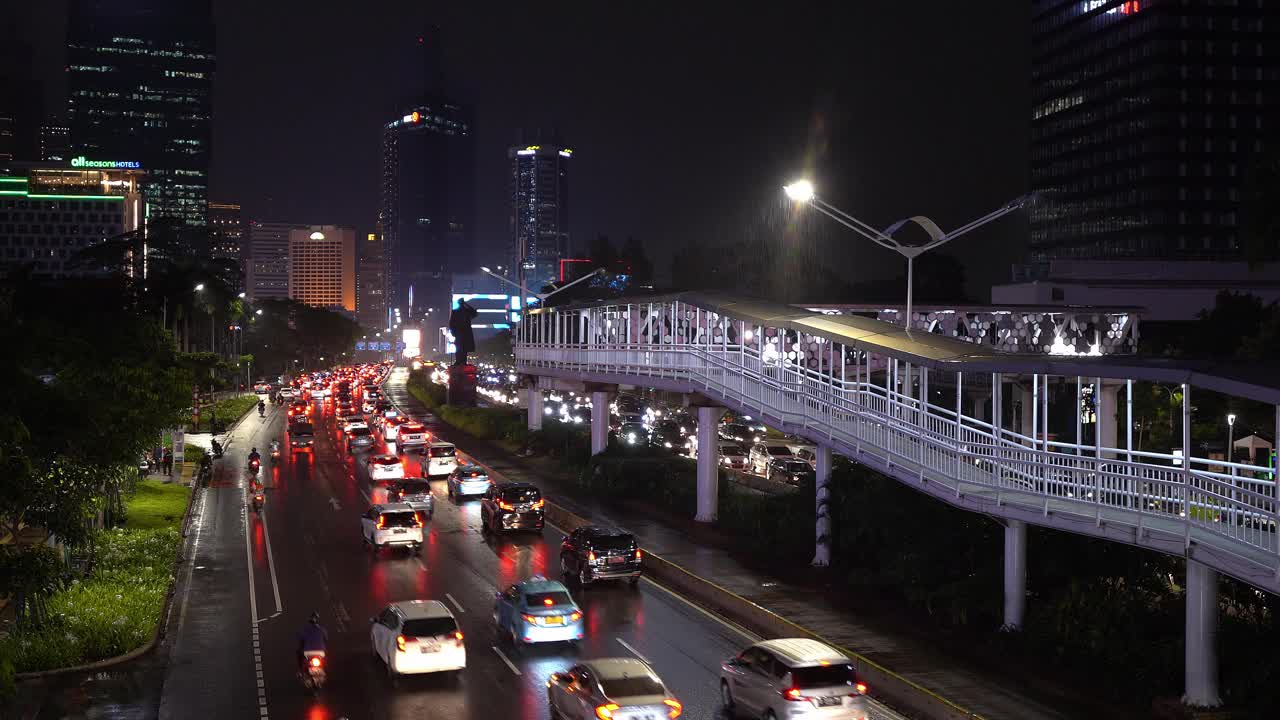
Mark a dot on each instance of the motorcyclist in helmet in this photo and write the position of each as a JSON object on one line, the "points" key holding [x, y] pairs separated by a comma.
{"points": [[312, 638], [262, 408], [254, 455]]}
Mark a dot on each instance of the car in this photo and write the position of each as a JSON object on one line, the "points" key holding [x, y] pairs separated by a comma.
{"points": [[299, 408], [361, 437], [792, 678], [790, 471], [438, 458], [633, 434], [320, 390], [764, 451], [732, 455], [390, 427], [512, 506], [346, 408], [417, 636], [302, 436], [666, 434], [366, 405], [468, 479], [351, 422], [412, 434], [391, 524], [739, 433], [536, 611], [593, 553], [262, 388], [807, 453], [286, 393], [622, 687], [414, 492], [384, 467]]}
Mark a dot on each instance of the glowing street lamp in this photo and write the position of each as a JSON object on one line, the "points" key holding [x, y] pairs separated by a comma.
{"points": [[199, 287], [802, 192], [1231, 438]]}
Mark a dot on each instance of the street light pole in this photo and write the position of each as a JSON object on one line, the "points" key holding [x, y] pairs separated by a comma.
{"points": [[1231, 438], [802, 191]]}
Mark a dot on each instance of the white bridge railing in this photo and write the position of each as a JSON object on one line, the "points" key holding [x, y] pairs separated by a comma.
{"points": [[1231, 506]]}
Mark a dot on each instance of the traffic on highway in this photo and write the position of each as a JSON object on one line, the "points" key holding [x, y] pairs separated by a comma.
{"points": [[390, 573]]}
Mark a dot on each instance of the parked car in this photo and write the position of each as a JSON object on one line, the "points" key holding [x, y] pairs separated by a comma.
{"points": [[512, 506], [792, 678], [468, 479], [417, 636], [537, 610], [593, 553], [608, 688]]}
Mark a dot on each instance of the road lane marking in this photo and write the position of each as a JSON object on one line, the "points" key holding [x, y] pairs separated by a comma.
{"points": [[271, 563], [248, 556], [455, 603], [506, 660], [633, 651]]}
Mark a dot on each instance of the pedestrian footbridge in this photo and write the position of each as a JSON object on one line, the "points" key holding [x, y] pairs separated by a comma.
{"points": [[1025, 438]]}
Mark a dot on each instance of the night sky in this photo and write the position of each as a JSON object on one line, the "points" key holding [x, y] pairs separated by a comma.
{"points": [[685, 121]]}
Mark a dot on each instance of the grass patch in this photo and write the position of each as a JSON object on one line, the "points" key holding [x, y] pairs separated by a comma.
{"points": [[116, 609], [156, 505], [227, 410]]}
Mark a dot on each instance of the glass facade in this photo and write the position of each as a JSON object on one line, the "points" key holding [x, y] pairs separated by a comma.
{"points": [[371, 282], [226, 234], [268, 264], [428, 204], [140, 89], [1147, 117], [539, 211]]}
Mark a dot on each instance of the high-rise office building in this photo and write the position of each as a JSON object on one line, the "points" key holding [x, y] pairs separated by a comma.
{"points": [[55, 142], [49, 212], [1148, 117], [140, 89], [268, 261], [322, 266], [21, 100], [371, 282], [226, 234], [539, 187], [428, 203]]}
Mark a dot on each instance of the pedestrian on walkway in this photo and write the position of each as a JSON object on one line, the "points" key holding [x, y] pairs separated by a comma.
{"points": [[168, 461], [213, 422]]}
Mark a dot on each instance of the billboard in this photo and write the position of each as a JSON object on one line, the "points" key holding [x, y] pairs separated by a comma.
{"points": [[412, 342]]}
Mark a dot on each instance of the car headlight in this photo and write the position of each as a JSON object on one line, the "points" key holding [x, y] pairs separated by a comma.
{"points": [[631, 438], [667, 444]]}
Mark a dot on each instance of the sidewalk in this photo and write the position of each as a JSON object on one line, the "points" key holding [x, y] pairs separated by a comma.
{"points": [[986, 694]]}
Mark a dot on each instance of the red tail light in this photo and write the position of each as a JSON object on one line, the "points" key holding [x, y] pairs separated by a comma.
{"points": [[382, 521], [548, 602], [591, 556], [505, 505], [316, 662], [605, 712], [475, 474], [538, 505], [457, 637], [399, 643], [861, 688], [637, 553], [792, 694], [675, 707], [417, 517], [575, 616]]}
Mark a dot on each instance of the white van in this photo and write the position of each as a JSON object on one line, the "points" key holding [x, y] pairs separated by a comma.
{"points": [[439, 459]]}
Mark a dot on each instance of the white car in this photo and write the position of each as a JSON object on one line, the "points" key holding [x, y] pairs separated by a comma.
{"points": [[391, 428], [384, 467], [351, 422], [439, 458], [412, 433], [391, 524], [764, 451], [320, 390], [286, 393], [418, 636]]}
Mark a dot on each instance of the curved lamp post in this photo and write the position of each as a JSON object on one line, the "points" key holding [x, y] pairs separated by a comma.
{"points": [[802, 191]]}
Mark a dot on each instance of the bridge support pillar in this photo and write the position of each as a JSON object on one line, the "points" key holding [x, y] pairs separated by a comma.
{"points": [[708, 463], [1015, 574], [533, 403], [980, 404], [1026, 415], [822, 530], [599, 421], [1108, 403], [1201, 669]]}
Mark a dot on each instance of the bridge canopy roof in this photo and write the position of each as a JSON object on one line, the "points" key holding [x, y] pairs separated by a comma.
{"points": [[1255, 381]]}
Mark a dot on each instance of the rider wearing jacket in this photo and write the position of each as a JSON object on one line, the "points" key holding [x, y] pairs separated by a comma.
{"points": [[312, 638]]}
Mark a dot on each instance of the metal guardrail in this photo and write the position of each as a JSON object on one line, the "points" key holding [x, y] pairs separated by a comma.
{"points": [[1233, 508]]}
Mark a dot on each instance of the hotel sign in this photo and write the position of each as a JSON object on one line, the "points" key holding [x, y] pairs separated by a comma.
{"points": [[81, 162]]}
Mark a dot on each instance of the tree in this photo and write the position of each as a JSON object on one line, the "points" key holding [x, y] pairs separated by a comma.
{"points": [[1219, 330], [603, 253]]}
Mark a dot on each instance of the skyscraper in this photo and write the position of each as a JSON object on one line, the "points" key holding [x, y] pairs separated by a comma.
{"points": [[1147, 119], [539, 186], [268, 263], [21, 100], [226, 234], [322, 266], [371, 282], [428, 184], [55, 142], [140, 89]]}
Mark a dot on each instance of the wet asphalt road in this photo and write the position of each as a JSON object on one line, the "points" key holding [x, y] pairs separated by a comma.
{"points": [[306, 547]]}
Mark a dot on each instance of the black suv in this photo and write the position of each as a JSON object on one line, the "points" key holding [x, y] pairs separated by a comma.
{"points": [[598, 553], [512, 506]]}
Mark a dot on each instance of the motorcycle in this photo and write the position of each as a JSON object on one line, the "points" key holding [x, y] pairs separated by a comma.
{"points": [[275, 449], [259, 499], [217, 448], [262, 410], [255, 465], [313, 677]]}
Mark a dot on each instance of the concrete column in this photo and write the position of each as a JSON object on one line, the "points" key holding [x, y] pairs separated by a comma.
{"points": [[1201, 671], [1108, 399], [1015, 573], [822, 530], [599, 422], [708, 463], [980, 403], [1026, 401], [533, 401]]}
